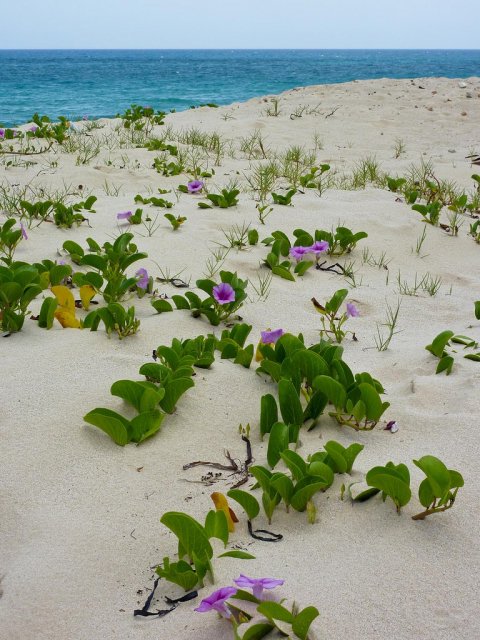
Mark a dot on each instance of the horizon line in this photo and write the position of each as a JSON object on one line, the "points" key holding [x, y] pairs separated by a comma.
{"points": [[238, 49]]}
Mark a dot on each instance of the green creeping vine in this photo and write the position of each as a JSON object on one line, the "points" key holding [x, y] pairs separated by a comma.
{"points": [[215, 308], [19, 285], [436, 493], [109, 262], [223, 200], [194, 544], [166, 380], [444, 340], [321, 377]]}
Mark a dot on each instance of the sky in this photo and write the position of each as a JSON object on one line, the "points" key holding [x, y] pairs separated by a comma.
{"points": [[241, 24]]}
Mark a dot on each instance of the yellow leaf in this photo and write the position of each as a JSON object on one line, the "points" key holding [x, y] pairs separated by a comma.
{"points": [[67, 319], [86, 294], [221, 504], [65, 312], [64, 297], [258, 353]]}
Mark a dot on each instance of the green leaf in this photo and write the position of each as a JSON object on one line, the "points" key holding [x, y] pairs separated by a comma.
{"points": [[305, 489], [192, 537], [283, 273], [303, 266], [145, 425], [275, 611], [216, 526], [256, 631], [295, 463], [290, 405], [130, 391], [477, 309], [425, 493], [437, 474], [473, 356], [321, 472], [363, 495], [439, 343], [336, 452], [311, 364], [180, 573], [75, 250], [332, 389], [374, 407], [303, 620], [277, 443], [392, 482], [242, 555], [446, 364], [248, 502], [315, 406], [333, 305], [181, 302], [112, 423], [161, 306], [351, 453], [174, 389], [282, 483], [47, 311]]}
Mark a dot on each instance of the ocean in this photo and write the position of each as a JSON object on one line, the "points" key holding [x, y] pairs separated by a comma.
{"points": [[101, 83]]}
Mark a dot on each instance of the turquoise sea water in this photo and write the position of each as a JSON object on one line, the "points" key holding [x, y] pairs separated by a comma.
{"points": [[100, 83]]}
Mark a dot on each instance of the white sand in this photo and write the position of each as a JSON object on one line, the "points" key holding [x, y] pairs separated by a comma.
{"points": [[79, 516]]}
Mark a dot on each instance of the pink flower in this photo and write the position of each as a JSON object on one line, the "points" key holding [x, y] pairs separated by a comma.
{"points": [[223, 293], [299, 252], [319, 247], [352, 311], [195, 186], [126, 215], [257, 584], [217, 602], [143, 278], [271, 337]]}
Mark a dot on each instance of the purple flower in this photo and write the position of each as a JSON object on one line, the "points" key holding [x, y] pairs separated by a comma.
{"points": [[319, 247], [195, 186], [392, 426], [216, 602], [223, 293], [33, 128], [352, 311], [257, 584], [299, 252], [271, 337], [85, 117], [2, 133], [126, 215], [24, 232], [143, 278]]}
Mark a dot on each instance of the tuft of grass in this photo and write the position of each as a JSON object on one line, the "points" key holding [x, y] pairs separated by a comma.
{"points": [[382, 339]]}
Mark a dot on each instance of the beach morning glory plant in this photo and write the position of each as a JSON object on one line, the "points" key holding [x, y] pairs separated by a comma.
{"points": [[253, 617], [331, 323], [195, 186], [224, 299]]}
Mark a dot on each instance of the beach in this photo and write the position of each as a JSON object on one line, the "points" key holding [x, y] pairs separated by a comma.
{"points": [[80, 516]]}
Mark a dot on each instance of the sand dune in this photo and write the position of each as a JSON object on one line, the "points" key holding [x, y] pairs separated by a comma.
{"points": [[79, 523]]}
